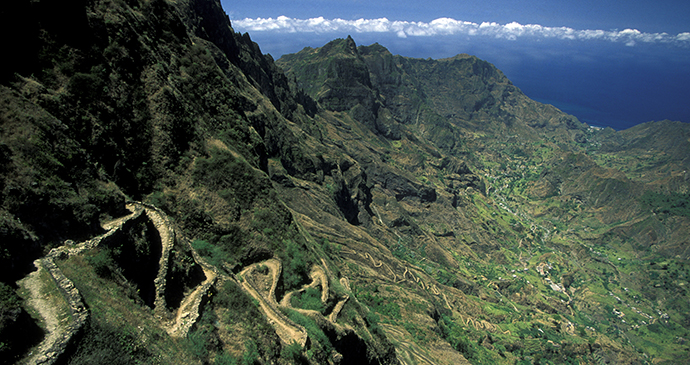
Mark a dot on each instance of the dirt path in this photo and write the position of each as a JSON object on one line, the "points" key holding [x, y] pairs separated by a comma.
{"points": [[188, 312], [55, 298], [318, 277], [118, 222], [406, 275], [111, 228], [287, 330], [408, 351], [339, 306], [51, 308], [58, 303]]}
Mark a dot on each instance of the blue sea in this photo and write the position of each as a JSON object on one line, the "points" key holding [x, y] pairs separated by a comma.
{"points": [[604, 84], [610, 94]]}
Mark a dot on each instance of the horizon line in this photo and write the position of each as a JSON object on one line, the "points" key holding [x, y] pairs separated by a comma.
{"points": [[449, 26]]}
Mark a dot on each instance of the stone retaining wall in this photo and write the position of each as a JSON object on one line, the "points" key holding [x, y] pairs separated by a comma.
{"points": [[79, 315]]}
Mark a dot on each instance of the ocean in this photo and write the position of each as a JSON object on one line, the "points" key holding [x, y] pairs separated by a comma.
{"points": [[619, 89]]}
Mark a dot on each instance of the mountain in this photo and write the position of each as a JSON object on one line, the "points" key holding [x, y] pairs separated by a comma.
{"points": [[172, 195]]}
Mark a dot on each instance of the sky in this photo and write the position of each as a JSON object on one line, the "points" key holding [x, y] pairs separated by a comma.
{"points": [[609, 63]]}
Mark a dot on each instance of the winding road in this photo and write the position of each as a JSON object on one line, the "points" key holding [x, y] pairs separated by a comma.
{"points": [[287, 330]]}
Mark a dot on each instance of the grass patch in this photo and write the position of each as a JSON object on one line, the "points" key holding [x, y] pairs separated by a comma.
{"points": [[308, 299], [673, 204], [313, 330], [120, 324]]}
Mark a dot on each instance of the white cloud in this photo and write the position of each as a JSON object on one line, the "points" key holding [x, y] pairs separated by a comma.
{"points": [[448, 26]]}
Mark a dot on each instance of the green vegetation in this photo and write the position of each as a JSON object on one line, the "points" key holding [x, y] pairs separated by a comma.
{"points": [[106, 344], [296, 265], [119, 322], [12, 339], [308, 299], [452, 333], [321, 347], [233, 179], [382, 305], [9, 301], [673, 204], [293, 353], [215, 253]]}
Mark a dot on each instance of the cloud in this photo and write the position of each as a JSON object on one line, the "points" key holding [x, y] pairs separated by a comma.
{"points": [[448, 26]]}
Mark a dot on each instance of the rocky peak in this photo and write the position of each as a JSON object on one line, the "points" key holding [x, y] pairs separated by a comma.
{"points": [[335, 75], [340, 48], [350, 44]]}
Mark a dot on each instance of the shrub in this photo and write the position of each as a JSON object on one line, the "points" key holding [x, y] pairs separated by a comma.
{"points": [[251, 353], [196, 342], [225, 359], [312, 328], [239, 304], [102, 262], [292, 352], [373, 321], [271, 219], [309, 299], [263, 269], [455, 335], [104, 343], [9, 300], [158, 199], [379, 304], [215, 254], [295, 271]]}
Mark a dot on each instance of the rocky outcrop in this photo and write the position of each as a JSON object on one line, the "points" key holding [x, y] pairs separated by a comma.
{"points": [[207, 20], [401, 186]]}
